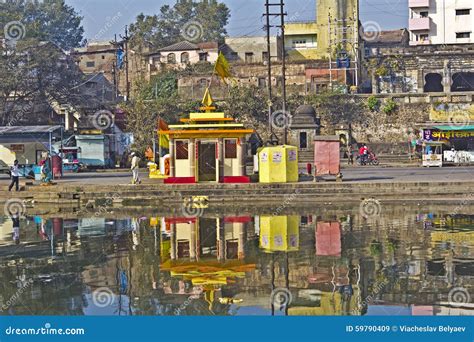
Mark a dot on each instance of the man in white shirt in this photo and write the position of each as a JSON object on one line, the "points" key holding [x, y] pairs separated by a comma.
{"points": [[15, 175], [135, 168]]}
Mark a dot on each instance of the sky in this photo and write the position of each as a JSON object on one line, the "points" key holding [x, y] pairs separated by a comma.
{"points": [[104, 18]]}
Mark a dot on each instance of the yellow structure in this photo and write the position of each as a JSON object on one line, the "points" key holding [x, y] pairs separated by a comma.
{"points": [[278, 164], [207, 147], [279, 233], [310, 40]]}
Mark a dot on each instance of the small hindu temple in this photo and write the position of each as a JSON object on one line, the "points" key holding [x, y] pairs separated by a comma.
{"points": [[207, 147]]}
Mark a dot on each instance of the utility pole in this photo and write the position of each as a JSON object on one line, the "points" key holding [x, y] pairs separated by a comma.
{"points": [[283, 69], [268, 27], [114, 69], [269, 65], [125, 39]]}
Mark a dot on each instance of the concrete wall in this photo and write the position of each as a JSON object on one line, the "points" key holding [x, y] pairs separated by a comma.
{"points": [[236, 48]]}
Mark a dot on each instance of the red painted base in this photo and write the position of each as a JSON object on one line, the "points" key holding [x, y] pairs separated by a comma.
{"points": [[180, 180], [235, 179]]}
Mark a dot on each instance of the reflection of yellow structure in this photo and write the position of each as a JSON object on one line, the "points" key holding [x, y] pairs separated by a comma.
{"points": [[278, 164], [466, 238], [279, 233], [209, 272], [331, 304], [197, 238]]}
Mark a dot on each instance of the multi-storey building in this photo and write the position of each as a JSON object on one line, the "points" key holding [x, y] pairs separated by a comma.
{"points": [[441, 22], [336, 27]]}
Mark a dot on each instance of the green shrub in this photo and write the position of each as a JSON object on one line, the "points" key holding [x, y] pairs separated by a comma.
{"points": [[373, 103], [389, 106]]}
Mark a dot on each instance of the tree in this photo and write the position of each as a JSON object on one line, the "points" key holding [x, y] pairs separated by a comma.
{"points": [[155, 99], [33, 66], [186, 20], [47, 20]]}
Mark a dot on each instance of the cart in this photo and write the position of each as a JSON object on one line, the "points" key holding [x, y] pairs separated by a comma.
{"points": [[432, 154]]}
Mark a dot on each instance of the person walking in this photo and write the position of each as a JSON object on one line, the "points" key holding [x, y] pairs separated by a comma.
{"points": [[135, 168], [350, 155], [15, 175]]}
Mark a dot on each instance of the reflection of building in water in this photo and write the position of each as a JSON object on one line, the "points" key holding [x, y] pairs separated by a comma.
{"points": [[204, 254], [198, 238], [279, 233], [395, 262]]}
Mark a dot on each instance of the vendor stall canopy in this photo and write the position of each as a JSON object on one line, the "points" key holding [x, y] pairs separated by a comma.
{"points": [[455, 127]]}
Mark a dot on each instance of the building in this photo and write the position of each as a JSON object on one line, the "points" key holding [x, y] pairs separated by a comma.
{"points": [[304, 127], [441, 22], [207, 147], [27, 144], [423, 69], [98, 57], [337, 24], [182, 54], [375, 41], [251, 49]]}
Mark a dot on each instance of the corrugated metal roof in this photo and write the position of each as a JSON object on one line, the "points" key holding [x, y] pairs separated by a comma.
{"points": [[4, 130], [455, 128]]}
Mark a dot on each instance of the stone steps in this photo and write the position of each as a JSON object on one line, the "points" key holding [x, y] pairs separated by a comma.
{"points": [[246, 192]]}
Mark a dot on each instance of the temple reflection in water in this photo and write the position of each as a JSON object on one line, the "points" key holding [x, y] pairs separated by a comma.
{"points": [[394, 264]]}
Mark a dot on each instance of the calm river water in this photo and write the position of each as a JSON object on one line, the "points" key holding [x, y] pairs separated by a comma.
{"points": [[393, 261]]}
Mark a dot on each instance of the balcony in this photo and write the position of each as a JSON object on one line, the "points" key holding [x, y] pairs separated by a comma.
{"points": [[418, 3], [419, 24]]}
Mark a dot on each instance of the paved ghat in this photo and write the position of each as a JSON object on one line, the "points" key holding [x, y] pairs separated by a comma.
{"points": [[356, 174]]}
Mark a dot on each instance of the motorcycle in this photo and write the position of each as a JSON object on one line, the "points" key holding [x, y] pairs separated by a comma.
{"points": [[370, 160]]}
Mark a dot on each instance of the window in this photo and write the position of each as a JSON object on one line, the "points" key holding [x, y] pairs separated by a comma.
{"points": [[103, 57], [423, 38], [262, 82], [171, 58], [234, 56], [90, 64], [424, 14], [463, 12], [249, 57], [299, 43], [461, 35], [231, 148], [182, 150], [203, 57], [91, 84], [203, 82], [303, 140], [265, 56], [185, 57]]}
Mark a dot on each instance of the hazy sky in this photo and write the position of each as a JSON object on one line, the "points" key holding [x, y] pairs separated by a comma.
{"points": [[104, 18]]}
